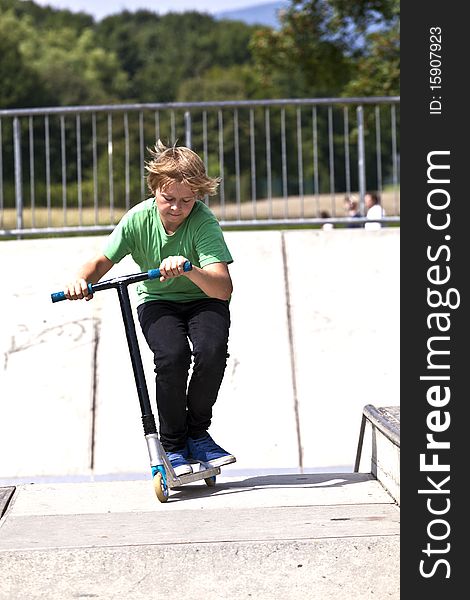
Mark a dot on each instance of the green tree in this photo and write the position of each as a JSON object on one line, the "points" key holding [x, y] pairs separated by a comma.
{"points": [[46, 17], [72, 69], [331, 48], [20, 86], [160, 53], [217, 83], [378, 71]]}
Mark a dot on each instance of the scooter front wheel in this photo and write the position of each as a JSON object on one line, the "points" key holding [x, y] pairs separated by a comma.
{"points": [[160, 487]]}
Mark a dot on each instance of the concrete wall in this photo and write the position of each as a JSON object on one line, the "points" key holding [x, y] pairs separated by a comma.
{"points": [[314, 338]]}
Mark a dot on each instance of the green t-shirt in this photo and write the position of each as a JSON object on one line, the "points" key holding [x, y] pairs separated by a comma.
{"points": [[141, 234]]}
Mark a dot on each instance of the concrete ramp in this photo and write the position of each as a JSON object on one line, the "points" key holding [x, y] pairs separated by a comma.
{"points": [[314, 338]]}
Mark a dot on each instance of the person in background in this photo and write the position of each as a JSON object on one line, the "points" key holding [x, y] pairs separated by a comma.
{"points": [[184, 314], [324, 214], [351, 207], [374, 210]]}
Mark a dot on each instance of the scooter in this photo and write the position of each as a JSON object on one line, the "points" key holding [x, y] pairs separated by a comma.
{"points": [[163, 475]]}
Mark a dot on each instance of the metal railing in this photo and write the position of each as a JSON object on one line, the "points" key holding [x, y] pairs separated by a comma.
{"points": [[282, 162]]}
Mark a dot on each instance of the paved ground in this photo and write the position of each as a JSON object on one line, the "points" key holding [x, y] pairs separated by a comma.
{"points": [[319, 536]]}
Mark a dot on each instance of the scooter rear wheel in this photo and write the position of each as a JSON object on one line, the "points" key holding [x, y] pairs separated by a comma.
{"points": [[210, 481], [161, 489]]}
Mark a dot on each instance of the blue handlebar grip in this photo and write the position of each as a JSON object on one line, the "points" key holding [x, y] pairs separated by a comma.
{"points": [[155, 273], [58, 296]]}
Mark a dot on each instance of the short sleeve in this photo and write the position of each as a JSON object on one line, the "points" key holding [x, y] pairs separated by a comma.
{"points": [[210, 244], [118, 243]]}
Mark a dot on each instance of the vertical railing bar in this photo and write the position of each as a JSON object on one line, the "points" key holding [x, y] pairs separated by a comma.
{"points": [[48, 169], [31, 171], [331, 160], [221, 163], [187, 129], [110, 168], [204, 148], [347, 163], [63, 160], [157, 125], [237, 163], [284, 161], [1, 176], [79, 170], [361, 163], [394, 158], [142, 155], [269, 182], [173, 126], [253, 162], [315, 159], [126, 161], [18, 172], [300, 165], [378, 149], [94, 150]]}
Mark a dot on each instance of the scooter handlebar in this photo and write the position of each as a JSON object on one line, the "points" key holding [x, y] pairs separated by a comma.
{"points": [[58, 296], [126, 279], [155, 273]]}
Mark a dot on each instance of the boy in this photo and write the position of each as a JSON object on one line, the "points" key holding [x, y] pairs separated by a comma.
{"points": [[166, 230]]}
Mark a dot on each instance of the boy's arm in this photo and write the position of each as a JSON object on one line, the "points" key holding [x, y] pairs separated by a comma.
{"points": [[90, 272], [213, 279]]}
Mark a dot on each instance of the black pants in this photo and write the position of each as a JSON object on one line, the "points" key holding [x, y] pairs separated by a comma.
{"points": [[185, 407]]}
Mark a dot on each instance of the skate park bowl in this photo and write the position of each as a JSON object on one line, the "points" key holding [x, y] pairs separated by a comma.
{"points": [[311, 384], [314, 339]]}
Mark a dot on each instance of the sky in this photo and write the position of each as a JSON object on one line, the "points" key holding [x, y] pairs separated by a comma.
{"points": [[99, 9]]}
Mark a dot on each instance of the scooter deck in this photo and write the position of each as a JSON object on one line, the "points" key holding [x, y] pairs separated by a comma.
{"points": [[206, 473]]}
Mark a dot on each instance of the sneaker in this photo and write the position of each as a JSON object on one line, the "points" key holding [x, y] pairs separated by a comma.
{"points": [[179, 462], [205, 450]]}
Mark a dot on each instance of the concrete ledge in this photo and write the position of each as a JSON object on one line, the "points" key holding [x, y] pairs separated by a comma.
{"points": [[300, 537], [325, 569], [384, 424], [5, 496]]}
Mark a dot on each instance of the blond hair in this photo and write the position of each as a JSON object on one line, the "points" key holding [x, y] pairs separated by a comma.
{"points": [[181, 164]]}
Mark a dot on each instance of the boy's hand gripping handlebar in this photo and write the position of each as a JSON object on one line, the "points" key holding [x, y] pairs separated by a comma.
{"points": [[125, 279]]}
